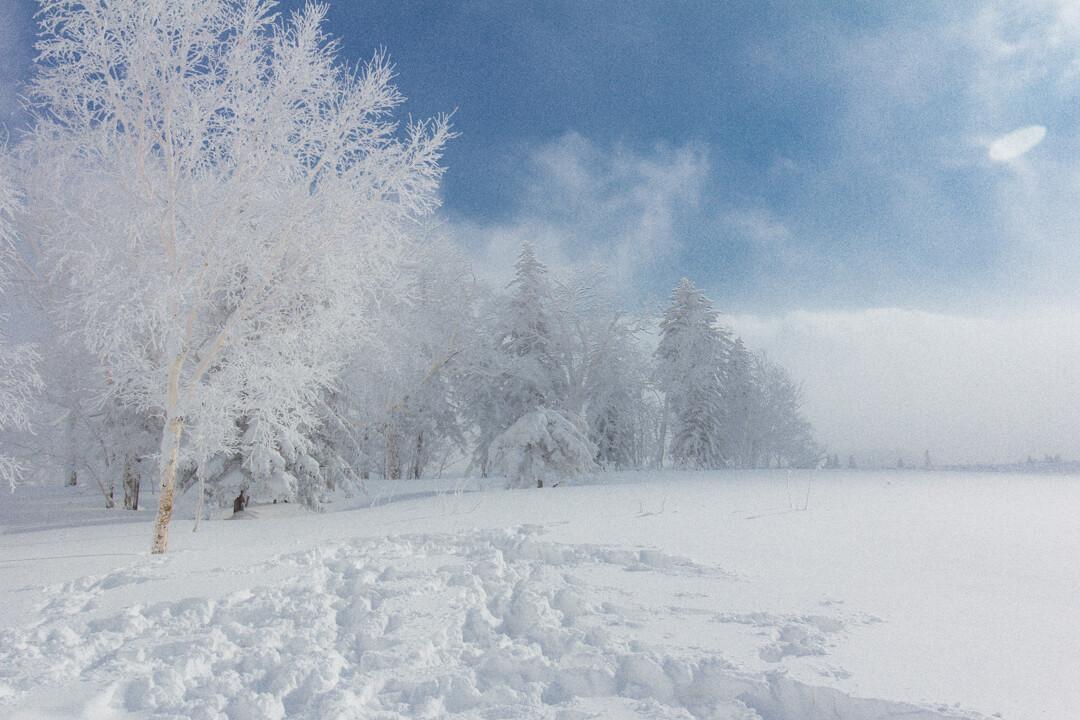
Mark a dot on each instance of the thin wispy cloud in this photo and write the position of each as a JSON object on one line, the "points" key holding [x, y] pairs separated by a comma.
{"points": [[581, 203]]}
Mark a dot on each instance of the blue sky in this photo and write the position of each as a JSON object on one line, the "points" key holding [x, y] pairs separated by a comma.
{"points": [[890, 183], [825, 154], [818, 155]]}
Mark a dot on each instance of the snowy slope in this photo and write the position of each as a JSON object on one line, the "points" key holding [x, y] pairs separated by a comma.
{"points": [[664, 596]]}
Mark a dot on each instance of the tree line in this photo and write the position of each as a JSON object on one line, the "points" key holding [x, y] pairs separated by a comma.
{"points": [[221, 241]]}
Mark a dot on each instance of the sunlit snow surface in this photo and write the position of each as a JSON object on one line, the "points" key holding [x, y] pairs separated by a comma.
{"points": [[921, 595]]}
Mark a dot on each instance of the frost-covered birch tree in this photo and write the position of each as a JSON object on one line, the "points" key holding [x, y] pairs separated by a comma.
{"points": [[224, 195]]}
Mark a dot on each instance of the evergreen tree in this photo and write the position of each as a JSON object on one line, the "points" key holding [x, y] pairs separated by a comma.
{"points": [[689, 360], [519, 372], [527, 338], [542, 445]]}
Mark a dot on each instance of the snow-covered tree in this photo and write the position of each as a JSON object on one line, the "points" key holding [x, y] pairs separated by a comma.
{"points": [[560, 343], [779, 432], [741, 401], [689, 363], [482, 370], [727, 407], [527, 335], [540, 446], [19, 380], [225, 197], [618, 409], [605, 368], [397, 403], [82, 434], [519, 370]]}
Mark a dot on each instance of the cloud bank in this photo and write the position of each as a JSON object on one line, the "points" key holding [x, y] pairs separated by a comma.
{"points": [[896, 382]]}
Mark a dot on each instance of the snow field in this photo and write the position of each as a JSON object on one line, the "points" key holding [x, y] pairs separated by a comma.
{"points": [[648, 596], [478, 625]]}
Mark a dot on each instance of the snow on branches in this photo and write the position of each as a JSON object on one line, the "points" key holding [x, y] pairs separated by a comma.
{"points": [[231, 196], [19, 380], [542, 445], [228, 233]]}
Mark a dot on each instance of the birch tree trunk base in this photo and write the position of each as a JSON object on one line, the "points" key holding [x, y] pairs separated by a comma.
{"points": [[171, 441]]}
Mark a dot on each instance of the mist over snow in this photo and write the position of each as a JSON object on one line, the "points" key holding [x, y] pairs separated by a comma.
{"points": [[968, 389]]}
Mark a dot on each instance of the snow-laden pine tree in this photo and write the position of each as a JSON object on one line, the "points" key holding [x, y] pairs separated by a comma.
{"points": [[519, 371], [528, 336], [19, 380], [689, 362], [223, 194]]}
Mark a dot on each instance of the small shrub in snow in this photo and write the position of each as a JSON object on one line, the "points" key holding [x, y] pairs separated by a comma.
{"points": [[542, 444]]}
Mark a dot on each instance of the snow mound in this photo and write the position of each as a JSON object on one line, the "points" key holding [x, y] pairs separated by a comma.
{"points": [[480, 624]]}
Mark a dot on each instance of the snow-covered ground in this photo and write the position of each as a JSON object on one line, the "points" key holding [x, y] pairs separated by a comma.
{"points": [[773, 595]]}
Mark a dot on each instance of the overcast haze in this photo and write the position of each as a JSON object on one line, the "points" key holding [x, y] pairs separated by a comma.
{"points": [[882, 196]]}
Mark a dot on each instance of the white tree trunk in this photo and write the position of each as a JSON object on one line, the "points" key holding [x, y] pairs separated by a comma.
{"points": [[170, 456], [199, 501], [69, 439], [131, 485], [662, 442], [393, 464]]}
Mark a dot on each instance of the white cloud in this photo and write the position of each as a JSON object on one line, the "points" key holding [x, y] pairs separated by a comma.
{"points": [[900, 381], [1014, 144], [760, 227], [581, 203]]}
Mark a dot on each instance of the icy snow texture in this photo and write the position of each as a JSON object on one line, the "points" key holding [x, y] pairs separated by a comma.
{"points": [[480, 624]]}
